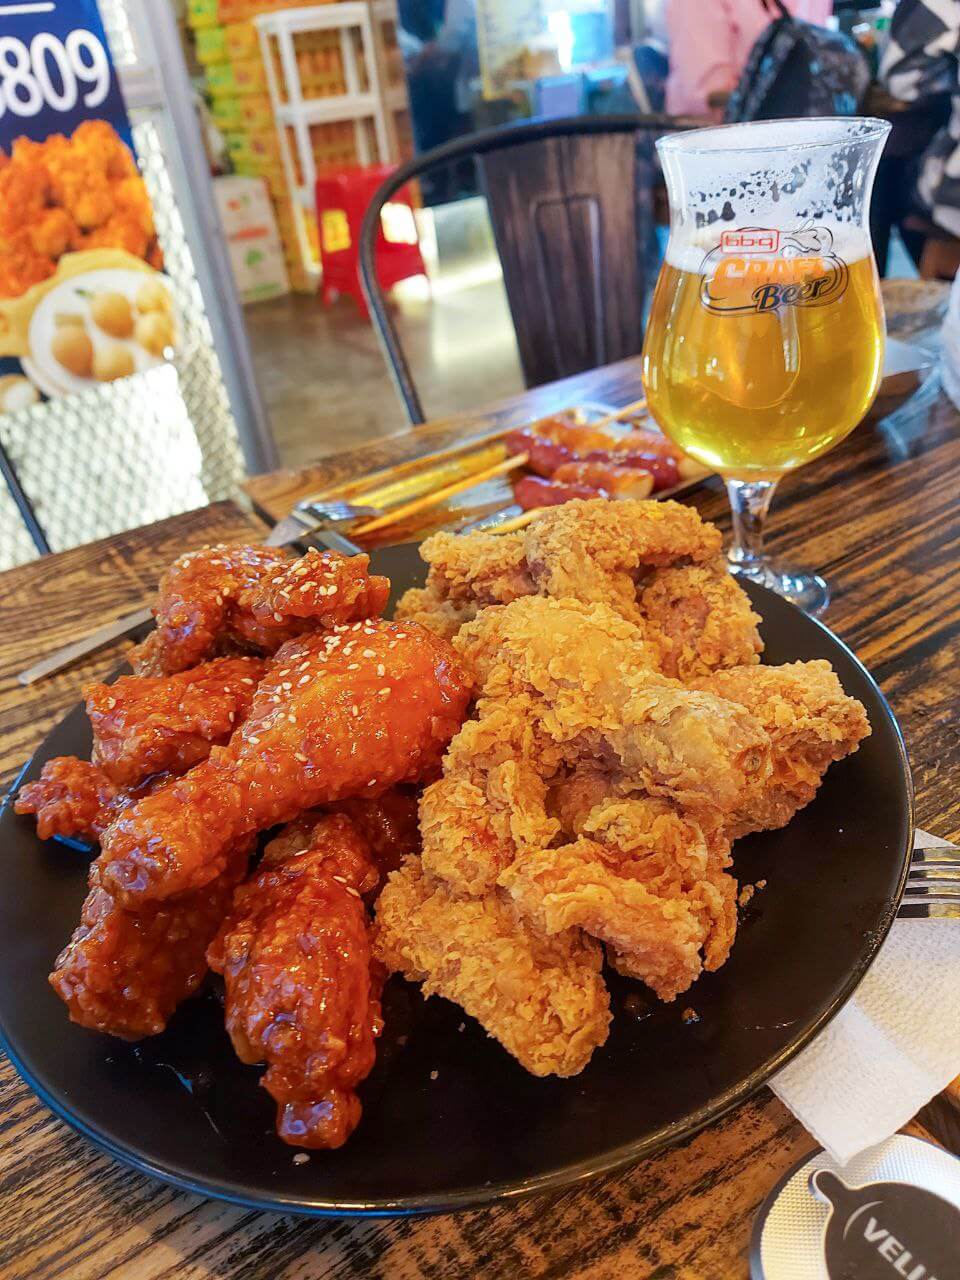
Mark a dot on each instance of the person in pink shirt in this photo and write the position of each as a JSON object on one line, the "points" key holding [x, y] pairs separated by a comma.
{"points": [[710, 41]]}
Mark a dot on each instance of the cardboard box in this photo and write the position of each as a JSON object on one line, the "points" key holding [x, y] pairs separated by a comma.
{"points": [[246, 211], [259, 269]]}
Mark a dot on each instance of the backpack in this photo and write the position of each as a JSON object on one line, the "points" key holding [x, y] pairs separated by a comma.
{"points": [[798, 69]]}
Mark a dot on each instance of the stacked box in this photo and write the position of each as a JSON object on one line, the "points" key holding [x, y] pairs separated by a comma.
{"points": [[228, 48], [253, 242]]}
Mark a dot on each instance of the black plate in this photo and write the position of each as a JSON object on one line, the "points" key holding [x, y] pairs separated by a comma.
{"points": [[450, 1120]]}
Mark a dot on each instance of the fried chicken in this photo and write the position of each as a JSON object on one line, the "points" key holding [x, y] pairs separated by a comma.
{"points": [[351, 712], [302, 989], [389, 826], [426, 606], [811, 723], [125, 972], [543, 997], [144, 725], [699, 620], [561, 685], [655, 563], [71, 798], [252, 598], [646, 881]]}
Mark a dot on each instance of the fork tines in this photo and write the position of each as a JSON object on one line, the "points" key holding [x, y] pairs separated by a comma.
{"points": [[933, 881]]}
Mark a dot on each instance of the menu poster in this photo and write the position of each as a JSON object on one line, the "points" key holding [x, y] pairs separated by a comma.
{"points": [[82, 297], [506, 29]]}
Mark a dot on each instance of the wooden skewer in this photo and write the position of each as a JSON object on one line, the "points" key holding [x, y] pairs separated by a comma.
{"points": [[438, 496], [422, 465], [618, 414], [518, 522]]}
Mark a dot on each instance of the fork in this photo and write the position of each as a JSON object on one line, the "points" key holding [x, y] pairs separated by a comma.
{"points": [[933, 881]]}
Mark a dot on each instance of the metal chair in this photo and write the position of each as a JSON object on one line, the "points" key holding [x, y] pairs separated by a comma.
{"points": [[571, 203]]}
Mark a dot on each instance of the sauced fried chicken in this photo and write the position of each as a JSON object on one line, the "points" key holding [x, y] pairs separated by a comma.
{"points": [[655, 563], [252, 598], [543, 997], [145, 725], [388, 825], [302, 989], [811, 723], [351, 712], [75, 799], [71, 798], [125, 972]]}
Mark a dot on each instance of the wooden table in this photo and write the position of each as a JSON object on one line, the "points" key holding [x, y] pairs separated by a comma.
{"points": [[880, 517]]}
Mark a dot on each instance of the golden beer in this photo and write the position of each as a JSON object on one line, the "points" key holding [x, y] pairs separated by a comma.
{"points": [[756, 365]]}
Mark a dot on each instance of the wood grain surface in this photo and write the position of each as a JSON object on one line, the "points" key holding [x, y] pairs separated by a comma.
{"points": [[880, 517]]}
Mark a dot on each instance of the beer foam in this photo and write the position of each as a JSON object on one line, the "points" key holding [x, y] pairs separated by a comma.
{"points": [[687, 251]]}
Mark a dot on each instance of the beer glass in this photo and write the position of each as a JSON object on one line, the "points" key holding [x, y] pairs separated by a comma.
{"points": [[765, 342]]}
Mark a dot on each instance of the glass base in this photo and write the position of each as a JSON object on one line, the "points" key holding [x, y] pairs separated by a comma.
{"points": [[808, 591]]}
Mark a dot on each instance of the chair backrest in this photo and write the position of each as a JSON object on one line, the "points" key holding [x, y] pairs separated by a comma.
{"points": [[571, 204]]}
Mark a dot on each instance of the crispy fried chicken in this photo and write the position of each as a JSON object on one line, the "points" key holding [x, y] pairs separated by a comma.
{"points": [[542, 996], [811, 723]]}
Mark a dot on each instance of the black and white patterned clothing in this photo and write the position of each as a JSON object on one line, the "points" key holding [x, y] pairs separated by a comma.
{"points": [[923, 61]]}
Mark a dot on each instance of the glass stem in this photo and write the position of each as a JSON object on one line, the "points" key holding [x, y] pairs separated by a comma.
{"points": [[749, 501]]}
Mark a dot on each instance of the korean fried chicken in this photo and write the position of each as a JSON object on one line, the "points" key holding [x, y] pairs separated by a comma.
{"points": [[302, 989], [145, 725], [252, 598], [354, 711], [646, 881], [71, 798], [655, 563], [563, 684], [389, 826], [699, 620], [811, 723], [543, 997], [125, 972]]}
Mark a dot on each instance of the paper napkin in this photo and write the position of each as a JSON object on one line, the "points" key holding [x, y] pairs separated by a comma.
{"points": [[891, 1048]]}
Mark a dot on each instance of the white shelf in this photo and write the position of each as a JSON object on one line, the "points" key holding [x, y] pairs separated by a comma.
{"points": [[361, 50], [348, 106]]}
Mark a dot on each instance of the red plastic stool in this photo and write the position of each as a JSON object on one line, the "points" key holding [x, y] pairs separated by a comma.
{"points": [[342, 200]]}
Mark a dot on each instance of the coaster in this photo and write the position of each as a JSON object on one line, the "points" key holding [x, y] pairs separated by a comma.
{"points": [[893, 1211]]}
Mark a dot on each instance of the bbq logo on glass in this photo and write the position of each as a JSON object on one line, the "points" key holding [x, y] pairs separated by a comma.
{"points": [[757, 269]]}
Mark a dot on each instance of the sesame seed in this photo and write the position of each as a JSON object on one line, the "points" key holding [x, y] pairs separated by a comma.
{"points": [[111, 703], [301, 1158], [339, 879], [252, 739], [278, 617], [245, 680], [354, 710], [385, 692], [381, 669], [304, 586], [286, 685], [353, 893], [304, 680], [369, 653], [353, 666], [434, 1075], [298, 755]]}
